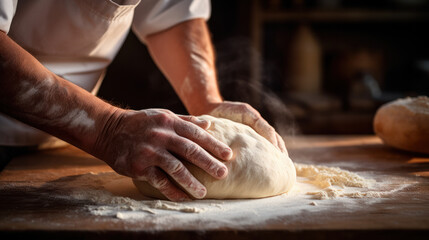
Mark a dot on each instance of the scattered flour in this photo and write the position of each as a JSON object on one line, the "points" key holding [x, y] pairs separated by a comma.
{"points": [[333, 180], [324, 177], [158, 204], [105, 198], [111, 195]]}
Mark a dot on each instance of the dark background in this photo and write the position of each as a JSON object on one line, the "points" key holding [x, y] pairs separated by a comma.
{"points": [[390, 47]]}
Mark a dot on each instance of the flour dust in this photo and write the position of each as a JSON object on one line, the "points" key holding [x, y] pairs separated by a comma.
{"points": [[318, 189]]}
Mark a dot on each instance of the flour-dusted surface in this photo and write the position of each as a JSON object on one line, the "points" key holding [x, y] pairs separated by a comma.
{"points": [[319, 188], [69, 190]]}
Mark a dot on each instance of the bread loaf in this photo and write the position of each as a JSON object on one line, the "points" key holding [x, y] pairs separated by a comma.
{"points": [[404, 124]]}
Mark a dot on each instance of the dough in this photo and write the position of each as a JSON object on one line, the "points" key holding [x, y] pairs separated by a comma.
{"points": [[257, 170], [404, 124]]}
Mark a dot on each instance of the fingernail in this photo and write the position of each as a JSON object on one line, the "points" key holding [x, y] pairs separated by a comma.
{"points": [[205, 123], [199, 120], [221, 172], [227, 154], [201, 193]]}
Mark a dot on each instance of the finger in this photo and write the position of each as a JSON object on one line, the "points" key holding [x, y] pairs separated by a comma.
{"points": [[204, 124], [254, 119], [195, 154], [264, 129], [182, 176], [203, 139], [281, 144], [160, 181]]}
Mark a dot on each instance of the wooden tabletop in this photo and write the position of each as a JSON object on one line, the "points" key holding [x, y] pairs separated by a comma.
{"points": [[29, 208]]}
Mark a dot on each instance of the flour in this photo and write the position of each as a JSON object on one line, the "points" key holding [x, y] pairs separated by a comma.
{"points": [[78, 118], [202, 73], [28, 90], [333, 180], [186, 86], [324, 177], [108, 194], [102, 191], [200, 62], [158, 204], [55, 109], [30, 93]]}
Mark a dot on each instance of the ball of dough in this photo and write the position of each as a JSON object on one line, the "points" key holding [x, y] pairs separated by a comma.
{"points": [[404, 124], [257, 169]]}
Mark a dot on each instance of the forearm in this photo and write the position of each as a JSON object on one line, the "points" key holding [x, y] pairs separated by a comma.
{"points": [[185, 55], [32, 94]]}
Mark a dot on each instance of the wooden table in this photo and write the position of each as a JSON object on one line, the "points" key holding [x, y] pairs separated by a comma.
{"points": [[27, 210]]}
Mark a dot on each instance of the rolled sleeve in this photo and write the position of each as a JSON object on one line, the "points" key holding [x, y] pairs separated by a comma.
{"points": [[7, 11], [153, 16]]}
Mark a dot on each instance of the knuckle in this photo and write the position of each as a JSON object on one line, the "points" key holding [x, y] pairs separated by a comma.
{"points": [[192, 119], [148, 153], [252, 110], [197, 133], [247, 108], [210, 166], [178, 169], [167, 111], [153, 176], [191, 151], [156, 134], [161, 183], [271, 130], [243, 108], [164, 118]]}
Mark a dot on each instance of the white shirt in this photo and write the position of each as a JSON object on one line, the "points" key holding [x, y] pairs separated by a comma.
{"points": [[78, 39]]}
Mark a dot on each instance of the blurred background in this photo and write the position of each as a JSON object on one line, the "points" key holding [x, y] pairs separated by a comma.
{"points": [[309, 66]]}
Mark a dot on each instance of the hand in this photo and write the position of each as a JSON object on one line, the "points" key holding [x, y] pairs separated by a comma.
{"points": [[246, 114], [146, 145]]}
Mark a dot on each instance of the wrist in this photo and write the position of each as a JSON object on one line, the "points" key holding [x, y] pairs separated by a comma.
{"points": [[108, 123], [204, 107]]}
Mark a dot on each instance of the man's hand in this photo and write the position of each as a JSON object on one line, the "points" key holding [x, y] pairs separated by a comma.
{"points": [[246, 114], [149, 145]]}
